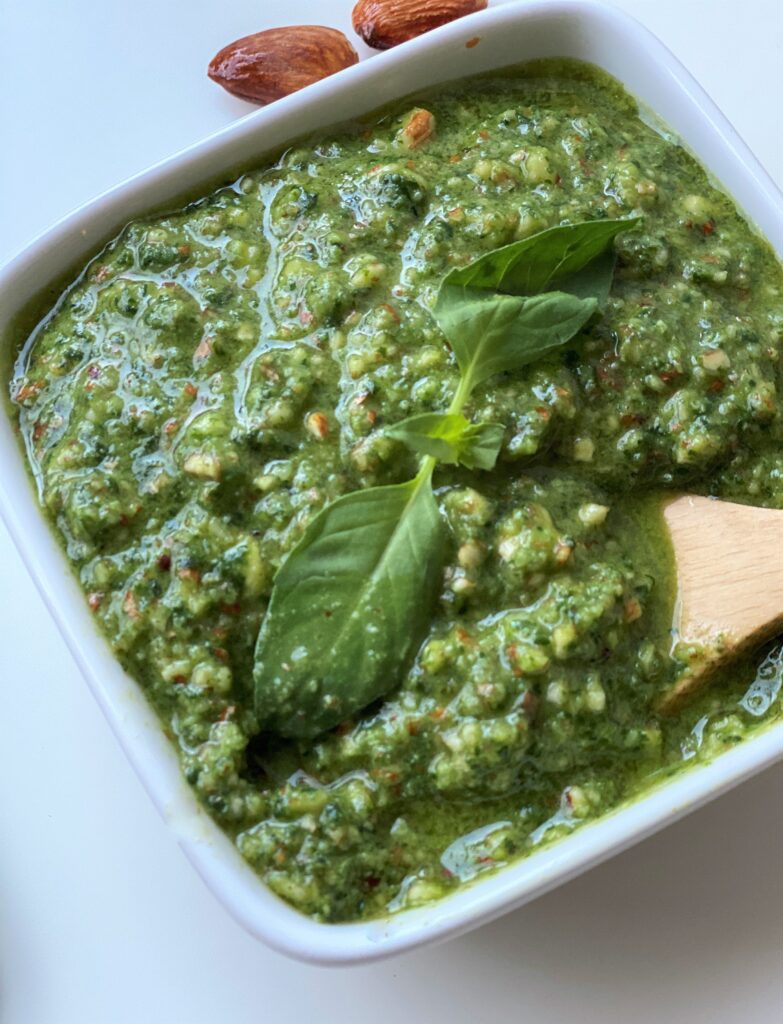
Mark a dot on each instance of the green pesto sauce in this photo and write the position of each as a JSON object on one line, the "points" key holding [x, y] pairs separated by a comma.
{"points": [[217, 374]]}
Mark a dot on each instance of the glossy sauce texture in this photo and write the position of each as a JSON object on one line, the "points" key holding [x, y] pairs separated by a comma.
{"points": [[218, 374]]}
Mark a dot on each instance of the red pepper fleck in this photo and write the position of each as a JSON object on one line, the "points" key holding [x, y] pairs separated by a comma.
{"points": [[632, 419], [129, 605], [483, 134], [372, 882], [558, 179], [94, 599], [485, 860], [391, 311], [472, 42], [190, 389], [708, 227], [305, 317], [232, 609], [183, 250], [164, 562], [511, 654], [179, 680], [220, 652], [529, 705], [609, 376], [27, 391], [716, 385]]}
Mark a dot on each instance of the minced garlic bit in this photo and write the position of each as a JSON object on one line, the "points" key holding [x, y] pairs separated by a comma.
{"points": [[584, 449], [592, 514], [202, 464]]}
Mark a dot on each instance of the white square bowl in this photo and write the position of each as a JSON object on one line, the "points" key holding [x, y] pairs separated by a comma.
{"points": [[507, 35]]}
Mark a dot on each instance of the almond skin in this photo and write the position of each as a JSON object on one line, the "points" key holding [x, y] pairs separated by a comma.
{"points": [[266, 66], [386, 23]]}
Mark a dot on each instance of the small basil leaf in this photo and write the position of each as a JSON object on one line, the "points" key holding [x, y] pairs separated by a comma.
{"points": [[548, 259], [491, 333], [432, 433], [480, 445], [451, 438], [348, 608]]}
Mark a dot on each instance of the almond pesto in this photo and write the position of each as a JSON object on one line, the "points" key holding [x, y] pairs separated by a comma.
{"points": [[218, 375]]}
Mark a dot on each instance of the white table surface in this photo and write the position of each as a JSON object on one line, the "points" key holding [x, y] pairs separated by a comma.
{"points": [[102, 921]]}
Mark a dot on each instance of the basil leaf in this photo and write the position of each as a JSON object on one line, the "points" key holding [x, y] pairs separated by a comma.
{"points": [[556, 256], [491, 333], [497, 313], [348, 608], [480, 445], [451, 438]]}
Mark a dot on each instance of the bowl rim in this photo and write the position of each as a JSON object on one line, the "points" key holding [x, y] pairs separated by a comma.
{"points": [[243, 894]]}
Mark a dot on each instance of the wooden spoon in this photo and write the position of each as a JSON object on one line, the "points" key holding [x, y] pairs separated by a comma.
{"points": [[729, 580]]}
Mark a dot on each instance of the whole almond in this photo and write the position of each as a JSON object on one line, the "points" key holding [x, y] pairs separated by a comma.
{"points": [[268, 65], [385, 23]]}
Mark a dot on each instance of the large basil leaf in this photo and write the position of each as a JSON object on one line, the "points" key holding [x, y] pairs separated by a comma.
{"points": [[348, 608], [490, 333], [451, 438], [554, 257]]}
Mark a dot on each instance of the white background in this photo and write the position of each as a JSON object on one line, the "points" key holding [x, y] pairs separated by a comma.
{"points": [[101, 919]]}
